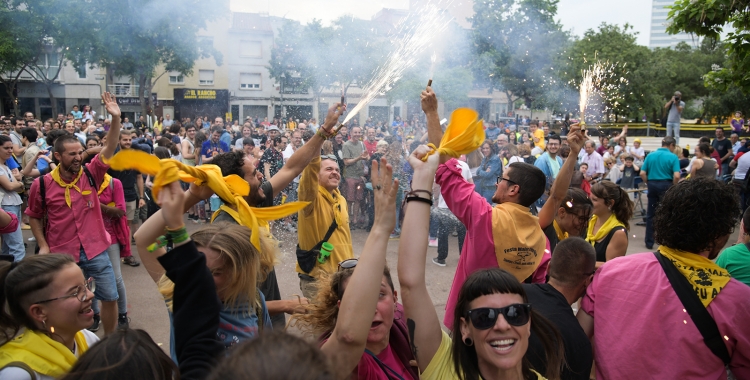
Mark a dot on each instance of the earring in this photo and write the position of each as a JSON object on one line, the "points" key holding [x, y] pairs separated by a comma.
{"points": [[468, 342], [44, 323]]}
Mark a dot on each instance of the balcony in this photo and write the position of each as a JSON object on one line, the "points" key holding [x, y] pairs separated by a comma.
{"points": [[124, 90]]}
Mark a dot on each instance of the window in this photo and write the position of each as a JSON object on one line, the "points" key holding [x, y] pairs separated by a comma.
{"points": [[249, 81], [251, 49], [176, 78], [206, 77], [81, 71]]}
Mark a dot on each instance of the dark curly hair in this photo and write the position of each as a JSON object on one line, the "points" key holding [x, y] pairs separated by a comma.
{"points": [[230, 163], [695, 213]]}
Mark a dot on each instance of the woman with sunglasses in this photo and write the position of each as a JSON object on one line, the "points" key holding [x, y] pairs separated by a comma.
{"points": [[492, 319], [354, 309], [46, 308]]}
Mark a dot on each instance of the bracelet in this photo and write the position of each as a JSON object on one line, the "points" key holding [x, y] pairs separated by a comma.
{"points": [[414, 193], [177, 236], [418, 199], [175, 229], [325, 135]]}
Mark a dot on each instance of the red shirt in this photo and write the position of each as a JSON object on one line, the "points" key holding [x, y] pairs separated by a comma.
{"points": [[81, 225], [371, 147]]}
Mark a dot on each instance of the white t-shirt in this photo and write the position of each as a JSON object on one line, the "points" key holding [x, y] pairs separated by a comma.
{"points": [[512, 160], [10, 197], [743, 164], [465, 172], [15, 373]]}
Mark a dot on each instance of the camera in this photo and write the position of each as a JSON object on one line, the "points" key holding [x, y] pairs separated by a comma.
{"points": [[677, 99]]}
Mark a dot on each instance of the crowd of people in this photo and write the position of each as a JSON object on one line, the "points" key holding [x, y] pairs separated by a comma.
{"points": [[542, 222]]}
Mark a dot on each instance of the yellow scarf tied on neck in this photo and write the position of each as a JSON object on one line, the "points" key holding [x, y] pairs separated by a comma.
{"points": [[464, 134], [41, 353], [231, 188], [608, 225], [56, 177], [704, 275], [560, 234]]}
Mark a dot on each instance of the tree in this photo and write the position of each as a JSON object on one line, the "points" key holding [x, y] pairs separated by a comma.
{"points": [[517, 43], [20, 45], [136, 37], [708, 18]]}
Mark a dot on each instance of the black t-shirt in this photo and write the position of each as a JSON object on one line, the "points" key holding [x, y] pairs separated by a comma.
{"points": [[551, 235], [129, 179], [270, 286], [722, 147], [628, 177], [552, 305]]}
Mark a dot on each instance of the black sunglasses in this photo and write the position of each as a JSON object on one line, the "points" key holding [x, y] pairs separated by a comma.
{"points": [[347, 264], [484, 318], [501, 179]]}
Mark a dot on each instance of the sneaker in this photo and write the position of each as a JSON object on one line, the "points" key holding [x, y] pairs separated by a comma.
{"points": [[95, 326], [130, 260], [438, 262], [123, 322], [432, 243]]}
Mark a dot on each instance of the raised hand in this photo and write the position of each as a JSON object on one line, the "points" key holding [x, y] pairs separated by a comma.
{"points": [[171, 200], [385, 189], [334, 112], [429, 101], [110, 103]]}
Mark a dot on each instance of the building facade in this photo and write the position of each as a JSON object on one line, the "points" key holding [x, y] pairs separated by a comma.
{"points": [[659, 38]]}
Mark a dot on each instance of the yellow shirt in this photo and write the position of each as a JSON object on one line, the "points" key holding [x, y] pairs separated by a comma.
{"points": [[441, 366], [291, 125], [316, 218], [539, 133]]}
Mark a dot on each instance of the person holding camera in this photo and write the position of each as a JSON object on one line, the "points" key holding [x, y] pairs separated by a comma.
{"points": [[674, 109]]}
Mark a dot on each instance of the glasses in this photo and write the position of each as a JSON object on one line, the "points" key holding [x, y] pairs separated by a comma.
{"points": [[328, 157], [501, 179], [484, 318], [79, 293], [347, 264]]}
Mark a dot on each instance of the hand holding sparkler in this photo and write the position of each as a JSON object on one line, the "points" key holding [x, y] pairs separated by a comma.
{"points": [[329, 127], [430, 108]]}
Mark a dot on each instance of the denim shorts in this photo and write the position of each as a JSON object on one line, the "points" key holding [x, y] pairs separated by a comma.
{"points": [[100, 268]]}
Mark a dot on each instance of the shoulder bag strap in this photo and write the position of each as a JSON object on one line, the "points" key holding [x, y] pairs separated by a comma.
{"points": [[390, 372], [329, 233], [698, 313]]}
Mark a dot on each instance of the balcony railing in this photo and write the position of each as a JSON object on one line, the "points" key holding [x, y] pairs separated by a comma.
{"points": [[124, 89]]}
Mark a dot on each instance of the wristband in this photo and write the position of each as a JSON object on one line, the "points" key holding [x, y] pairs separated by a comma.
{"points": [[418, 199], [414, 193]]}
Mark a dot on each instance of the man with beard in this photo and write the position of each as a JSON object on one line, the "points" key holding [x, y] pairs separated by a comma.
{"points": [[632, 311], [262, 194], [132, 185], [550, 164], [213, 146], [68, 197]]}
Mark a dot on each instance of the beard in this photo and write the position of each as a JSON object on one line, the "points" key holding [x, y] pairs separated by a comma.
{"points": [[255, 197]]}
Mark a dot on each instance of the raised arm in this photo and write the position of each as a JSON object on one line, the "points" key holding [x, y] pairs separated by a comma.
{"points": [[562, 182], [430, 108], [113, 136], [357, 307], [299, 160], [426, 334]]}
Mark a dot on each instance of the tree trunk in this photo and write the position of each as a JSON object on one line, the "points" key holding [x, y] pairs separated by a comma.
{"points": [[142, 78], [52, 99]]}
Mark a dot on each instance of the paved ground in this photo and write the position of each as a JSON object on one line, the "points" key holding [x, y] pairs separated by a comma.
{"points": [[147, 310]]}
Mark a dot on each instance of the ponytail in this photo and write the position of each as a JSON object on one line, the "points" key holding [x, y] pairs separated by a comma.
{"points": [[622, 206], [22, 282]]}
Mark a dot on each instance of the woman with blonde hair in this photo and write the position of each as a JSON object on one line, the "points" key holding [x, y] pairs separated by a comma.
{"points": [[236, 267], [356, 312]]}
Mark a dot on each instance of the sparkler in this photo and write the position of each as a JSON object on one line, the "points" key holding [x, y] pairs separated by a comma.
{"points": [[414, 35], [433, 59]]}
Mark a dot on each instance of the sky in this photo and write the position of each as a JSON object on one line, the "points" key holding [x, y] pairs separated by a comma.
{"points": [[576, 16]]}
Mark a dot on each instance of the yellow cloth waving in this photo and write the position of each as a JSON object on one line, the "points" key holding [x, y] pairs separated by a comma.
{"points": [[608, 225], [41, 353], [706, 277], [56, 177], [465, 133], [231, 189]]}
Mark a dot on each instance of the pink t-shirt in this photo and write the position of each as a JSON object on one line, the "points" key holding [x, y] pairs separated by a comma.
{"points": [[476, 214], [641, 330], [370, 370], [69, 228]]}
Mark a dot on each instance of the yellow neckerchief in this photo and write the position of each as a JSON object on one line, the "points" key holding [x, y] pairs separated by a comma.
{"points": [[41, 353], [608, 225], [704, 275], [519, 241], [464, 134], [56, 177], [231, 189], [560, 234], [105, 184]]}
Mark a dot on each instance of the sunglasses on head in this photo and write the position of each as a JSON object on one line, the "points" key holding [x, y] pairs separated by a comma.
{"points": [[484, 318], [347, 264]]}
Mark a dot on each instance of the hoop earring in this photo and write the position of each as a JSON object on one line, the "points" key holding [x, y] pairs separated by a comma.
{"points": [[468, 342]]}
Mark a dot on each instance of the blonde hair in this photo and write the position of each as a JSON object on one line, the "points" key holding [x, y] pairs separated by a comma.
{"points": [[244, 262]]}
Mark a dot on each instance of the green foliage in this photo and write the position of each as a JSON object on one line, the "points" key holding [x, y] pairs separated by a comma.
{"points": [[708, 18]]}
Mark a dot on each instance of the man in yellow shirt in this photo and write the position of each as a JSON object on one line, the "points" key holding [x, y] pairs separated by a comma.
{"points": [[537, 134], [319, 185]]}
